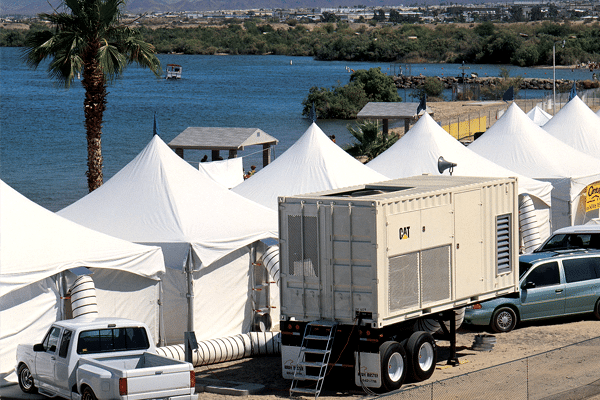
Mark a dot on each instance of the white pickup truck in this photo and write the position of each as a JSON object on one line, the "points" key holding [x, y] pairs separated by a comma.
{"points": [[104, 358]]}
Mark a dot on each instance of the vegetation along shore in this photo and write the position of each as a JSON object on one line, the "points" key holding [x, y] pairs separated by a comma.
{"points": [[522, 44]]}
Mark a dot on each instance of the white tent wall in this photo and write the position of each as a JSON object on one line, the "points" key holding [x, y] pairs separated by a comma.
{"points": [[25, 315], [567, 201], [543, 216], [124, 295], [221, 294]]}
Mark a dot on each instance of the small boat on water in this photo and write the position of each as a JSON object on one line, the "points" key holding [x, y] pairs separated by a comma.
{"points": [[173, 71]]}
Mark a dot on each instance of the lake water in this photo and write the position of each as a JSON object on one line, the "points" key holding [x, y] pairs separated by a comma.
{"points": [[42, 135]]}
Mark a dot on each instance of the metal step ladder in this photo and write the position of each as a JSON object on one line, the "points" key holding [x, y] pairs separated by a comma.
{"points": [[314, 357]]}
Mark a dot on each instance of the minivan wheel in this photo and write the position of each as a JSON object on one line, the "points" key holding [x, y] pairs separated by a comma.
{"points": [[597, 310], [503, 320]]}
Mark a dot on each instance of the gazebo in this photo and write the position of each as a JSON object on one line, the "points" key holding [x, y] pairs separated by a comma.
{"points": [[217, 139], [391, 110]]}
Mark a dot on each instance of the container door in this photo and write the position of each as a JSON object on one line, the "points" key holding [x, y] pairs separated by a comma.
{"points": [[468, 245]]}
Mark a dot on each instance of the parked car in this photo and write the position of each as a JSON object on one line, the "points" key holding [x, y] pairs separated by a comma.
{"points": [[572, 237], [552, 284]]}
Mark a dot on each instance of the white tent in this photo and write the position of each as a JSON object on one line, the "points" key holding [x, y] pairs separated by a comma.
{"points": [[314, 163], [515, 142], [158, 198], [38, 248], [418, 151], [598, 113], [578, 126], [228, 173], [539, 116]]}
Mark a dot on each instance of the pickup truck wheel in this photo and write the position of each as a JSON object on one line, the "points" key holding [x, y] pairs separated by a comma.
{"points": [[393, 365], [422, 357], [26, 380], [503, 320], [88, 394]]}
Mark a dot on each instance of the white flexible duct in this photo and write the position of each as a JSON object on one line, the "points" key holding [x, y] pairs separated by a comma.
{"points": [[271, 262], [432, 326], [227, 349], [529, 229], [83, 298]]}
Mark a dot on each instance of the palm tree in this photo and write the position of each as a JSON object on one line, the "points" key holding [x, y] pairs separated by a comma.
{"points": [[370, 141], [90, 40]]}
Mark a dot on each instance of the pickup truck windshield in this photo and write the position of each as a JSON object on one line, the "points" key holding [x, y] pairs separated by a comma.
{"points": [[112, 340]]}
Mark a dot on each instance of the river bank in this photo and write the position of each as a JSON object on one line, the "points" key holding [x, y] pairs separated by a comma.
{"points": [[414, 82]]}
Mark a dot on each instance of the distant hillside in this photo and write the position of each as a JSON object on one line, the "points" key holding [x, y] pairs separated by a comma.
{"points": [[32, 7]]}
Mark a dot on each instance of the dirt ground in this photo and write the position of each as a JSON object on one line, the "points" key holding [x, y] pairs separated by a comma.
{"points": [[527, 340]]}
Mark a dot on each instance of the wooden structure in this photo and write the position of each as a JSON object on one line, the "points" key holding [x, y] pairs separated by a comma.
{"points": [[217, 139], [391, 110]]}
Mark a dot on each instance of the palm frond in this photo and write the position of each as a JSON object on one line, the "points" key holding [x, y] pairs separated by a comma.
{"points": [[111, 60]]}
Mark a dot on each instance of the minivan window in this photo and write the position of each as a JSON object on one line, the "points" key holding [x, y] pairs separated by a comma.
{"points": [[572, 241], [545, 275], [111, 340], [581, 269]]}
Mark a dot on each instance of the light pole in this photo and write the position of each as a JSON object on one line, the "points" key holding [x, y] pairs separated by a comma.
{"points": [[554, 75]]}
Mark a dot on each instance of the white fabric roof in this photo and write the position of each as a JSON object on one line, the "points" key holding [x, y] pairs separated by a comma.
{"points": [[598, 113], [418, 151], [159, 198], [578, 126], [314, 163], [539, 116], [228, 173], [37, 244], [517, 143]]}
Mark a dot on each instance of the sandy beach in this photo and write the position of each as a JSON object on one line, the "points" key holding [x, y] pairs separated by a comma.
{"points": [[527, 340]]}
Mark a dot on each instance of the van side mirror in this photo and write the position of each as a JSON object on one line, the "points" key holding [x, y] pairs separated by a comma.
{"points": [[529, 285], [38, 347]]}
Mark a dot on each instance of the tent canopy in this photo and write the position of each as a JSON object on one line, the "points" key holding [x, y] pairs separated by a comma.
{"points": [[314, 163], [517, 143], [539, 116], [37, 244], [418, 151], [159, 198], [578, 126]]}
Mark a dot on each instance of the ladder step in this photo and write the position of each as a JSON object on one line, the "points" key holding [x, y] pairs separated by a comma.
{"points": [[312, 377], [311, 364], [315, 351], [316, 337], [303, 390]]}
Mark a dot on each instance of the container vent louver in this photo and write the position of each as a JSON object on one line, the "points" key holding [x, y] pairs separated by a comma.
{"points": [[503, 239], [303, 255]]}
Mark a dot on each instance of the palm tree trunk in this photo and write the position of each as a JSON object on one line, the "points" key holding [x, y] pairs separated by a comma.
{"points": [[94, 106]]}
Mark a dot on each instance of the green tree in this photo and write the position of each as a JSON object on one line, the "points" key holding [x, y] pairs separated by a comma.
{"points": [[369, 140], [433, 87], [87, 38], [377, 85]]}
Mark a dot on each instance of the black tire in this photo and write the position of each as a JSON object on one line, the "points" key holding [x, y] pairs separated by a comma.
{"points": [[26, 379], [504, 319], [421, 352], [88, 394], [597, 310], [393, 365]]}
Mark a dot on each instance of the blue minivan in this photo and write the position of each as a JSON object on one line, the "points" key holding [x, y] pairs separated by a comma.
{"points": [[552, 284]]}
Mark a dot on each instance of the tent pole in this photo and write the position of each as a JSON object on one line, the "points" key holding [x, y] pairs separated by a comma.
{"points": [[161, 318], [190, 293]]}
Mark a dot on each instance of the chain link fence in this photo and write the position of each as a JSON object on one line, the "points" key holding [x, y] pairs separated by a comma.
{"points": [[570, 372], [466, 127]]}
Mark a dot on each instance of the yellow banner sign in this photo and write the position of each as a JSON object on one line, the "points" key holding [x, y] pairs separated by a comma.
{"points": [[592, 197]]}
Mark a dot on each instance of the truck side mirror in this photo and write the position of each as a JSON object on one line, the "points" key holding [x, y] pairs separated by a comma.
{"points": [[529, 285], [38, 347]]}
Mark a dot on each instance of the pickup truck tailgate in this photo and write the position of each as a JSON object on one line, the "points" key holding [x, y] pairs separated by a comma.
{"points": [[161, 384]]}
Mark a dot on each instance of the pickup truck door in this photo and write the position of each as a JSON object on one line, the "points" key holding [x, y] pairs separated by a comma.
{"points": [[45, 360], [61, 366]]}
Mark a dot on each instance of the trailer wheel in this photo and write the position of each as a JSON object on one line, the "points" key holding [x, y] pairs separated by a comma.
{"points": [[422, 355], [26, 380], [88, 394], [503, 320], [393, 365], [597, 309]]}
